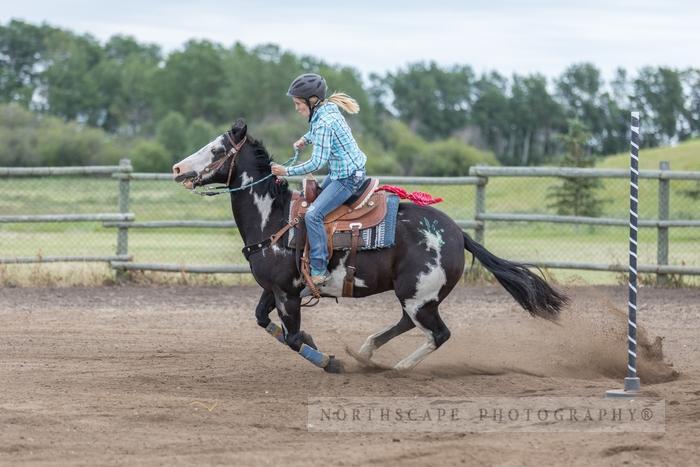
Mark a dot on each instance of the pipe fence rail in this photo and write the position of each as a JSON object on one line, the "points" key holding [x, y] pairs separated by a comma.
{"points": [[662, 223], [70, 214]]}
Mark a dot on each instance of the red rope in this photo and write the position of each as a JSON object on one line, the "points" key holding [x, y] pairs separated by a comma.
{"points": [[417, 197]]}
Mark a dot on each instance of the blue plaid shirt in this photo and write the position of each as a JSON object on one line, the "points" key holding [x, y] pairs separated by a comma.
{"points": [[333, 145]]}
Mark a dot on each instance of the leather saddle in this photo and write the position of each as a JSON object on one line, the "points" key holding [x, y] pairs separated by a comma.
{"points": [[364, 209]]}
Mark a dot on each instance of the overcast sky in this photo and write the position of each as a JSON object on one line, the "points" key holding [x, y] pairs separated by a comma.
{"points": [[374, 36]]}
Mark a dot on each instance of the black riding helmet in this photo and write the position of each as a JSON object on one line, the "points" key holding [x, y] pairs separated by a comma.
{"points": [[307, 86]]}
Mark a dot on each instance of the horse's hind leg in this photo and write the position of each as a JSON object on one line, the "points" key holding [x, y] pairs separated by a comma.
{"points": [[380, 338], [428, 320]]}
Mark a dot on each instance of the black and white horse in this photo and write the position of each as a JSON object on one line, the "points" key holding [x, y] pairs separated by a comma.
{"points": [[425, 264]]}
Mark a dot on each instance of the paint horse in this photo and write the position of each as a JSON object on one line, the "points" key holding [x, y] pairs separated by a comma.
{"points": [[425, 263]]}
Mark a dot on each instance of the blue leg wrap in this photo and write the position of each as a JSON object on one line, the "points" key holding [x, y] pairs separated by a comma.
{"points": [[276, 332], [314, 356]]}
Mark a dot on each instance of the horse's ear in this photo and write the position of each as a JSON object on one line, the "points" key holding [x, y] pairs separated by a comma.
{"points": [[239, 130]]}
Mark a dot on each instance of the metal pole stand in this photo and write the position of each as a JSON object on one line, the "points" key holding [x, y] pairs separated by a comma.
{"points": [[632, 385]]}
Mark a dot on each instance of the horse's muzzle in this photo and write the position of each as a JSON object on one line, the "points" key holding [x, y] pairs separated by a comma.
{"points": [[188, 175]]}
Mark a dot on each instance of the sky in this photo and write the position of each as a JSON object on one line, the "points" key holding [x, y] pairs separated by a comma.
{"points": [[507, 36]]}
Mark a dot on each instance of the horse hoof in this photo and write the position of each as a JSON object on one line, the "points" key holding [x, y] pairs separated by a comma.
{"points": [[334, 366]]}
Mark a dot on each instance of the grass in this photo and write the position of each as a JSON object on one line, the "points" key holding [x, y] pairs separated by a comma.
{"points": [[685, 156], [161, 200]]}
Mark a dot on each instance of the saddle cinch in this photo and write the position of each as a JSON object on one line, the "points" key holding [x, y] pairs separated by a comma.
{"points": [[364, 209]]}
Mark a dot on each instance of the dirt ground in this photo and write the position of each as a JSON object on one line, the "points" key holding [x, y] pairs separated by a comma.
{"points": [[136, 375]]}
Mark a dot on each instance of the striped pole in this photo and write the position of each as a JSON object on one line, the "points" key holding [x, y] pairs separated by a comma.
{"points": [[632, 385], [632, 381]]}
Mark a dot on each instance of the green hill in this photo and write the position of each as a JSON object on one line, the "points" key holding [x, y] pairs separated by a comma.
{"points": [[685, 156]]}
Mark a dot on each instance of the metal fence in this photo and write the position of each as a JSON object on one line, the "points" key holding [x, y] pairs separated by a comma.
{"points": [[605, 236], [147, 222], [46, 213]]}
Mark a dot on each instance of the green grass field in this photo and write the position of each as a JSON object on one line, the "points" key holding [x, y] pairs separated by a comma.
{"points": [[162, 200], [685, 156]]}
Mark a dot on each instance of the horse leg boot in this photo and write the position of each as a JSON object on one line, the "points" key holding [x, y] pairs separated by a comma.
{"points": [[380, 338], [288, 307], [262, 314], [428, 320], [265, 306]]}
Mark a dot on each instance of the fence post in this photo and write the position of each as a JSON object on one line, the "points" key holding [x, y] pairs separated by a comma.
{"points": [[480, 208], [662, 231], [123, 232]]}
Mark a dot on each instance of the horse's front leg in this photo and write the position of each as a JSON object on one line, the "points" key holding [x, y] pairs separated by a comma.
{"points": [[262, 314], [289, 309], [265, 306]]}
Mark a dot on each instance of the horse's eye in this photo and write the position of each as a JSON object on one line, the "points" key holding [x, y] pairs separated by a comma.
{"points": [[218, 150]]}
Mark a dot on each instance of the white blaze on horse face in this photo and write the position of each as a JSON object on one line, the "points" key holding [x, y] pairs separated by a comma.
{"points": [[263, 203], [198, 160]]}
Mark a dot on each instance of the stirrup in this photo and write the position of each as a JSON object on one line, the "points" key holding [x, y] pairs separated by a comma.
{"points": [[318, 281]]}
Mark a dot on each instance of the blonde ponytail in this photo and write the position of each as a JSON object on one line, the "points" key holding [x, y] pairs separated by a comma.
{"points": [[345, 102]]}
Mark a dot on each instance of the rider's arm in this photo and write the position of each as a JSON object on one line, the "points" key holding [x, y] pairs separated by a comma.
{"points": [[320, 155], [308, 137]]}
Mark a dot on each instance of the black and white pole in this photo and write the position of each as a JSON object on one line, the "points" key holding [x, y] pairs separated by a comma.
{"points": [[632, 385]]}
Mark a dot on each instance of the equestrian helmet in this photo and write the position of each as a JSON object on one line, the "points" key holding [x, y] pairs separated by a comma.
{"points": [[307, 86]]}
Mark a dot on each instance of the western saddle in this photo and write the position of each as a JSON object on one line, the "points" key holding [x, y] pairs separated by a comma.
{"points": [[364, 209]]}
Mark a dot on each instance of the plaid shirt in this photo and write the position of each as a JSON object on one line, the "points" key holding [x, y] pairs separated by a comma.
{"points": [[333, 145]]}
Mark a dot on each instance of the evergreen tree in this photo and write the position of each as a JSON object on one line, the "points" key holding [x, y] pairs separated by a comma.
{"points": [[576, 196]]}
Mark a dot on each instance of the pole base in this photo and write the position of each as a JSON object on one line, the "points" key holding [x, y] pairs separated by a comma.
{"points": [[631, 390]]}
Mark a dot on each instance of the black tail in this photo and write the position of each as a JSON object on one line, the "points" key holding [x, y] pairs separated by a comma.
{"points": [[527, 288]]}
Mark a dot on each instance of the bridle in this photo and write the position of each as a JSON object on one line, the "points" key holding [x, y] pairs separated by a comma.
{"points": [[216, 165]]}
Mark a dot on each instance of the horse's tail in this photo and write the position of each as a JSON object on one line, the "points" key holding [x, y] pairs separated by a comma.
{"points": [[527, 288]]}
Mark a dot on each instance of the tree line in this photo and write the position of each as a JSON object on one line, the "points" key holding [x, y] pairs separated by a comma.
{"points": [[128, 97]]}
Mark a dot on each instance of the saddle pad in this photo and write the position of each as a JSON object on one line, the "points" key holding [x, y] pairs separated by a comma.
{"points": [[382, 235]]}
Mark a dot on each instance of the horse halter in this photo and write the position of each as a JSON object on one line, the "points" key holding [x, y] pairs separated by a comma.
{"points": [[216, 165]]}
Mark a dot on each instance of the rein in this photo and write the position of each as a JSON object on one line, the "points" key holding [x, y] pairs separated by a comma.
{"points": [[219, 190]]}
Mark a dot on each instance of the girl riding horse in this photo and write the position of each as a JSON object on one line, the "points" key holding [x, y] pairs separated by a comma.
{"points": [[335, 146]]}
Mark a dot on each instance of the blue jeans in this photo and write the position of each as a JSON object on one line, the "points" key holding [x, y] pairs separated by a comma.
{"points": [[334, 194]]}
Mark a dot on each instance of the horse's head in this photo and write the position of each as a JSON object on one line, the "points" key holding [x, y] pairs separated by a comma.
{"points": [[215, 161]]}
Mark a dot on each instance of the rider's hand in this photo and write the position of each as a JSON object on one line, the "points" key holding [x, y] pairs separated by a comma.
{"points": [[279, 170], [299, 144]]}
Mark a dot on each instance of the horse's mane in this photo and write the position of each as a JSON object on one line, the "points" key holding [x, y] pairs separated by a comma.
{"points": [[262, 157], [262, 162]]}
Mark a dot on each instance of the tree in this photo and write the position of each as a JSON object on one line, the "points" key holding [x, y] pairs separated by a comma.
{"points": [[171, 134], [690, 80], [192, 82], [451, 157], [433, 101], [659, 96], [580, 91], [199, 132], [21, 49], [535, 118], [576, 196], [127, 80], [150, 156], [73, 90], [30, 139], [491, 112]]}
